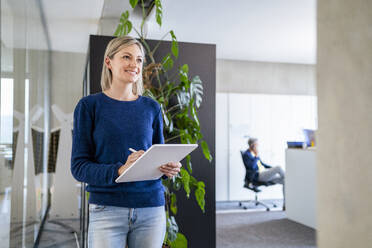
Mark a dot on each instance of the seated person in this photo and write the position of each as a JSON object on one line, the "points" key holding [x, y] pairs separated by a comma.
{"points": [[262, 172]]}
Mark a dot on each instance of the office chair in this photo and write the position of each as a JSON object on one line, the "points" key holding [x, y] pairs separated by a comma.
{"points": [[254, 185]]}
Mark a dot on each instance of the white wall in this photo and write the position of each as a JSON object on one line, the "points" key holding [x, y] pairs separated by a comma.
{"points": [[222, 147], [265, 78]]}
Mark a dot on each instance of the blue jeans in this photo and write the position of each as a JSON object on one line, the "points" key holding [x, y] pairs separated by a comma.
{"points": [[117, 227]]}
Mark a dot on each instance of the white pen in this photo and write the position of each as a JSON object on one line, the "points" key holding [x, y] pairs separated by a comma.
{"points": [[132, 150]]}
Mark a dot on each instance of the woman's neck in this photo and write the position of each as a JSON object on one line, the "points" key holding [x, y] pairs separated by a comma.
{"points": [[121, 92]]}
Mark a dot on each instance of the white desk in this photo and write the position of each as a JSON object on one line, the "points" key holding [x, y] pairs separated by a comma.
{"points": [[300, 186]]}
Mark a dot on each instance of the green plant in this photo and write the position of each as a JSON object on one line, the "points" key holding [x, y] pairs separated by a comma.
{"points": [[179, 97]]}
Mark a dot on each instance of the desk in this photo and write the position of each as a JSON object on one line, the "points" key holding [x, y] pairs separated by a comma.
{"points": [[300, 186]]}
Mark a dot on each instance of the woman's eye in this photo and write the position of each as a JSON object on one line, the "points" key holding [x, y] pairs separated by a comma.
{"points": [[139, 60], [126, 57]]}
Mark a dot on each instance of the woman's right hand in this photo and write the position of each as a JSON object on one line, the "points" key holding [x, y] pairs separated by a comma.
{"points": [[130, 160]]}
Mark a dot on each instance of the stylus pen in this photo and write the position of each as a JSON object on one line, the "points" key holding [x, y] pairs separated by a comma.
{"points": [[132, 150]]}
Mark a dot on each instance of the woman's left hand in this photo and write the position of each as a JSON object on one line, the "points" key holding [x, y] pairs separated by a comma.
{"points": [[171, 169]]}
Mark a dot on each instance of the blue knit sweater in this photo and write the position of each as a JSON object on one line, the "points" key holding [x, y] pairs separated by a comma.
{"points": [[104, 129]]}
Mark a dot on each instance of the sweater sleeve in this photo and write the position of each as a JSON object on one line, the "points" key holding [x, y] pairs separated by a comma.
{"points": [[157, 126], [157, 136], [83, 166]]}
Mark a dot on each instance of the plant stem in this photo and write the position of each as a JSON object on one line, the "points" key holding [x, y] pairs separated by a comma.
{"points": [[138, 33], [143, 18], [173, 115], [159, 42], [173, 107], [174, 137]]}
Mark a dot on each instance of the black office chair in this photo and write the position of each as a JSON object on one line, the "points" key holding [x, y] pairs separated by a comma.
{"points": [[254, 185]]}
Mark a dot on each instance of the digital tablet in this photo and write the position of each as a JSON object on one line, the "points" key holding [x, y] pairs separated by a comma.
{"points": [[147, 166]]}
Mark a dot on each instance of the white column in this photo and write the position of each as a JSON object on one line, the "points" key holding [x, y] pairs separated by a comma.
{"points": [[344, 85]]}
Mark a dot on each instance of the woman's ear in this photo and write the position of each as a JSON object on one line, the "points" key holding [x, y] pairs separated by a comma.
{"points": [[108, 63]]}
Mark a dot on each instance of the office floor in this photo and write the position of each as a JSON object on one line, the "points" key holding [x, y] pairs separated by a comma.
{"points": [[235, 228], [55, 234], [233, 206], [60, 233], [261, 229], [5, 218]]}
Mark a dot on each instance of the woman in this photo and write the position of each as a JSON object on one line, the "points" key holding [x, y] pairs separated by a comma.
{"points": [[106, 125]]}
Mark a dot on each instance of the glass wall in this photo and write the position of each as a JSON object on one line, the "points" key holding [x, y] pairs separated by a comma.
{"points": [[37, 190], [24, 123]]}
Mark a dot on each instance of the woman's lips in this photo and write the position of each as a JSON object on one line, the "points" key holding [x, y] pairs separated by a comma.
{"points": [[131, 72]]}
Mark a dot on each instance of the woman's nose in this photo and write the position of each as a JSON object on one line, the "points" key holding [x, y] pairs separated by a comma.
{"points": [[132, 63]]}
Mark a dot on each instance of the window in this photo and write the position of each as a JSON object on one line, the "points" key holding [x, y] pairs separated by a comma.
{"points": [[6, 124]]}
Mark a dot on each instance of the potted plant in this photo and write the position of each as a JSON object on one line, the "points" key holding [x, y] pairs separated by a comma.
{"points": [[179, 97]]}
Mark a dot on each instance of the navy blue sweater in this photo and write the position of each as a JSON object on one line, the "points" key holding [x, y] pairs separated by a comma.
{"points": [[104, 129]]}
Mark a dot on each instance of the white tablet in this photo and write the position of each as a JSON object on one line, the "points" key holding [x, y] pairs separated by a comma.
{"points": [[147, 166]]}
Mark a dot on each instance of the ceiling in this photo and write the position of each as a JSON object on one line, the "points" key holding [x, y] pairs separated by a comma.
{"points": [[254, 30]]}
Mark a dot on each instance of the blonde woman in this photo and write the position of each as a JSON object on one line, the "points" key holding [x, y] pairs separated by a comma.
{"points": [[106, 125]]}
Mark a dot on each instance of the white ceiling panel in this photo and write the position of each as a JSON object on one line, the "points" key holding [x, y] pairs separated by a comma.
{"points": [[255, 30]]}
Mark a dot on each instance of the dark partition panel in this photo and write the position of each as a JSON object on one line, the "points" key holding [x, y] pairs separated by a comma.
{"points": [[199, 228]]}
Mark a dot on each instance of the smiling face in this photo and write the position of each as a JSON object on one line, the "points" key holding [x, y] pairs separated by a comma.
{"points": [[126, 64]]}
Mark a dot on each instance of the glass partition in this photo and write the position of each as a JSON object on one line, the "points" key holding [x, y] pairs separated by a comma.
{"points": [[24, 187]]}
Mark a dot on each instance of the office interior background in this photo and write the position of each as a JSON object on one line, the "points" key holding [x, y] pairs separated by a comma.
{"points": [[281, 66]]}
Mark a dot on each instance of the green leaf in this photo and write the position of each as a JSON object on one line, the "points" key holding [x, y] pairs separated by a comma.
{"points": [[200, 195], [133, 3], [195, 116], [177, 183], [206, 151], [170, 89], [180, 101], [180, 242], [167, 184], [169, 119], [167, 62], [183, 99], [125, 15], [196, 90], [188, 163], [165, 118], [159, 12], [172, 228], [150, 94], [173, 204], [185, 177], [171, 127], [124, 26], [167, 227], [184, 70], [174, 44], [127, 27], [187, 138]]}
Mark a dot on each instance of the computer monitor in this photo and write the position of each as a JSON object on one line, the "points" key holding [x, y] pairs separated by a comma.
{"points": [[309, 135]]}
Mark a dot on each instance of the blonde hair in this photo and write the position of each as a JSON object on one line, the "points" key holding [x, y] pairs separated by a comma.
{"points": [[114, 46]]}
